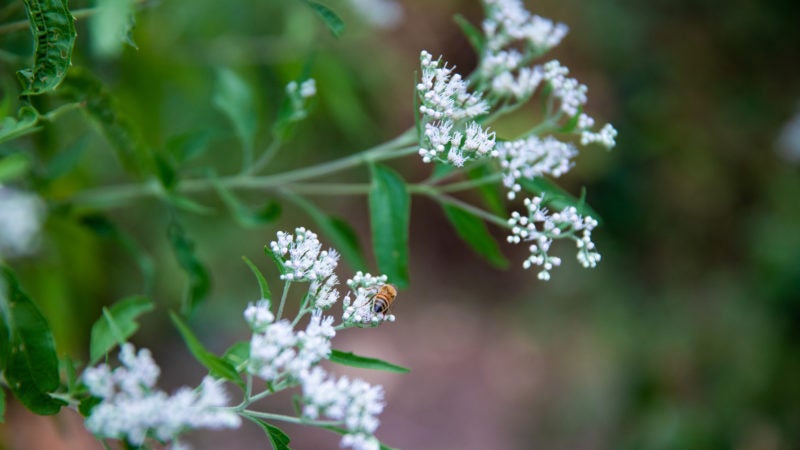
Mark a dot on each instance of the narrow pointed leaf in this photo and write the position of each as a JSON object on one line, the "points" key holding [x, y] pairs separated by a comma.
{"points": [[119, 319], [472, 230], [332, 20], [262, 282], [363, 362], [474, 35], [389, 210], [31, 369], [276, 259], [25, 123], [491, 193], [218, 367], [199, 279], [66, 159], [235, 98], [53, 29], [278, 439], [2, 406], [237, 353]]}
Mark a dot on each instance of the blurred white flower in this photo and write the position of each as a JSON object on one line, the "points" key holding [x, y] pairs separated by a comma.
{"points": [[272, 350], [507, 21], [21, 217], [258, 315], [788, 145], [133, 410], [378, 13]]}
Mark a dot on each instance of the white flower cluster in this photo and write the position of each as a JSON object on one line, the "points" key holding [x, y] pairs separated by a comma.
{"points": [[304, 259], [304, 90], [360, 311], [131, 409], [21, 216], [276, 350], [540, 227], [507, 21], [354, 402], [533, 157]]}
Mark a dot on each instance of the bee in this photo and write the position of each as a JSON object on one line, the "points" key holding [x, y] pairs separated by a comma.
{"points": [[383, 300]]}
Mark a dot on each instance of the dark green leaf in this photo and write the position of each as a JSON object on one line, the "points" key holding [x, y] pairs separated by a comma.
{"points": [[331, 19], [87, 404], [276, 259], [111, 26], [25, 123], [189, 145], [340, 234], [389, 210], [279, 439], [490, 192], [116, 326], [166, 172], [237, 353], [472, 230], [126, 139], [557, 198], [199, 279], [13, 166], [363, 362], [31, 370], [187, 204], [217, 366], [474, 35], [2, 406], [262, 282], [244, 215], [235, 98], [66, 159], [53, 29]]}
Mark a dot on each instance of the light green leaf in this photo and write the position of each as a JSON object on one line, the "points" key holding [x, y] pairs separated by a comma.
{"points": [[472, 230], [332, 20], [111, 26], [189, 145], [389, 210], [31, 369], [218, 367], [344, 239], [236, 99], [25, 123], [116, 326], [199, 279], [237, 353], [474, 35], [363, 362], [557, 198], [278, 439], [262, 282], [66, 159], [53, 29], [13, 166]]}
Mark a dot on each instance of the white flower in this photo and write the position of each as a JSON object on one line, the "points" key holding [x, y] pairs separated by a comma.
{"points": [[378, 13], [322, 293], [21, 216], [569, 91], [540, 227], [132, 410], [508, 21], [356, 403], [273, 350], [605, 137], [533, 157], [314, 344], [308, 88], [259, 315], [443, 95], [456, 147], [521, 86], [303, 257], [359, 310]]}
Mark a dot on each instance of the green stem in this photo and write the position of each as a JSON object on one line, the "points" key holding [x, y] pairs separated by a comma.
{"points": [[265, 157], [483, 214], [283, 299], [291, 419], [465, 185]]}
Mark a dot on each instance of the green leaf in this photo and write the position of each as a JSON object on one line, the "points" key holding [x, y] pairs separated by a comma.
{"points": [[389, 210], [2, 406], [244, 215], [276, 259], [472, 230], [66, 159], [235, 98], [111, 26], [13, 166], [441, 170], [218, 367], [187, 204], [491, 193], [237, 353], [53, 29], [279, 439], [126, 139], [344, 239], [189, 145], [31, 368], [557, 198], [332, 20], [199, 279], [103, 227], [572, 123], [363, 362], [343, 431], [262, 282], [474, 35], [116, 326], [25, 123], [87, 404]]}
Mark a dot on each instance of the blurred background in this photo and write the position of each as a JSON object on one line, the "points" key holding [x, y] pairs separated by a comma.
{"points": [[687, 335]]}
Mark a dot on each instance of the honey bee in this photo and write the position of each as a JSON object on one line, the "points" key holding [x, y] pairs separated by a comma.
{"points": [[383, 300]]}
